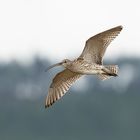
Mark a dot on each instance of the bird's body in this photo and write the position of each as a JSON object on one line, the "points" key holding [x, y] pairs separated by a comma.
{"points": [[88, 63], [83, 67]]}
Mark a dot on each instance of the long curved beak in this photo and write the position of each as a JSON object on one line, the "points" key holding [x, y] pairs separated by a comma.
{"points": [[58, 64]]}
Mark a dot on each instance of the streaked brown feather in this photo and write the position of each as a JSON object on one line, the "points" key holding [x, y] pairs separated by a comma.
{"points": [[89, 62], [95, 46], [60, 85]]}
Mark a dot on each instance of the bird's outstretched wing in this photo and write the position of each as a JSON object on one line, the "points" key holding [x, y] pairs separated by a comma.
{"points": [[60, 85], [95, 46]]}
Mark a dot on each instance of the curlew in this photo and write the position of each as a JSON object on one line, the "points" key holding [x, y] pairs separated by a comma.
{"points": [[90, 62]]}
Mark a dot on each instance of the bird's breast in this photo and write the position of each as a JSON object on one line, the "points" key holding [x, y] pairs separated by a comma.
{"points": [[85, 68]]}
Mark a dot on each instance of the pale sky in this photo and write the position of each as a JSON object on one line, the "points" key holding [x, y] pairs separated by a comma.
{"points": [[58, 29]]}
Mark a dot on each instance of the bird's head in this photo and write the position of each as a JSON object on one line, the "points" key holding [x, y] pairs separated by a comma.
{"points": [[64, 63]]}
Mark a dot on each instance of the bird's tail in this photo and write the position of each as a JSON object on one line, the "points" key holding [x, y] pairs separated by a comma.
{"points": [[113, 69], [110, 70]]}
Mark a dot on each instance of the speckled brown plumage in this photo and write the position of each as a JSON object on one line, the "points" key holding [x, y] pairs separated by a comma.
{"points": [[89, 62]]}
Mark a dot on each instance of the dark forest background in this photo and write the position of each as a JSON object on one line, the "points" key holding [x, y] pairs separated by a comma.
{"points": [[108, 110]]}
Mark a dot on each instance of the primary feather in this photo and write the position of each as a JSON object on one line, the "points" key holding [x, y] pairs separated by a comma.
{"points": [[95, 46]]}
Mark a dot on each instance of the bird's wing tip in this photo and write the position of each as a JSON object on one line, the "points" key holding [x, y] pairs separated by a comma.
{"points": [[47, 106], [120, 26]]}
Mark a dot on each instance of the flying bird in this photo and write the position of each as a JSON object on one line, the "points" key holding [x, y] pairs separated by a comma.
{"points": [[90, 62]]}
